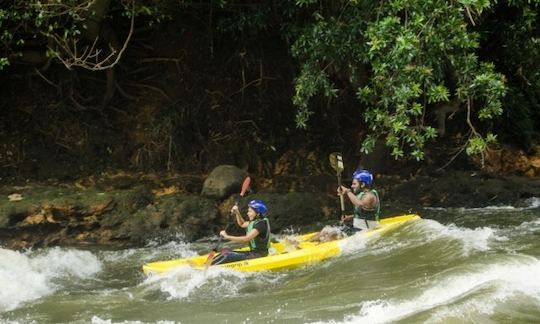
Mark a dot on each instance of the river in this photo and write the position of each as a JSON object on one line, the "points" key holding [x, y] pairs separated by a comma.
{"points": [[453, 266]]}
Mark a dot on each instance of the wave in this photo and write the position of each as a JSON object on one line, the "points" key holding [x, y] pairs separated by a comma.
{"points": [[188, 283], [31, 275], [530, 203], [476, 291], [477, 239], [482, 238], [98, 320]]}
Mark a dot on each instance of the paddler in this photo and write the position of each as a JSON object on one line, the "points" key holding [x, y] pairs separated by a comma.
{"points": [[257, 234], [367, 208], [366, 202]]}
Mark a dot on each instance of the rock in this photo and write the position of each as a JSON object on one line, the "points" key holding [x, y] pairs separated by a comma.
{"points": [[223, 181], [298, 163], [295, 208], [535, 161], [15, 197], [191, 217], [508, 160], [462, 189]]}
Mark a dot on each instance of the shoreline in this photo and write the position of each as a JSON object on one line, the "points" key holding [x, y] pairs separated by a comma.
{"points": [[126, 209]]}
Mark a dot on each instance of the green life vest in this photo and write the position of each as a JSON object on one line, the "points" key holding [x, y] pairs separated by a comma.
{"points": [[260, 243], [369, 214]]}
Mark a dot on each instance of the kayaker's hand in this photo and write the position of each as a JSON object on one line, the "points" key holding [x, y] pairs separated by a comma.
{"points": [[345, 218], [234, 209], [223, 233], [343, 190]]}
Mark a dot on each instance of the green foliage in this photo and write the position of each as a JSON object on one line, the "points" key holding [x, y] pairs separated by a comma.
{"points": [[309, 83], [437, 93], [403, 58], [478, 144], [416, 52], [251, 22], [3, 62]]}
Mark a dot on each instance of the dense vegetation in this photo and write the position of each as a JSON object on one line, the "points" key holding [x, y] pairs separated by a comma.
{"points": [[187, 84]]}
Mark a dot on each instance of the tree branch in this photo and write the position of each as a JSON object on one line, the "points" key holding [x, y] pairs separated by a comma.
{"points": [[89, 58]]}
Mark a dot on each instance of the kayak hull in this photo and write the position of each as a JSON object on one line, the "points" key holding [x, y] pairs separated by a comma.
{"points": [[283, 255]]}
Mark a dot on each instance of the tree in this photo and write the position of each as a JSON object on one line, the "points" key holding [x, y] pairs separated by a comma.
{"points": [[406, 59], [78, 34]]}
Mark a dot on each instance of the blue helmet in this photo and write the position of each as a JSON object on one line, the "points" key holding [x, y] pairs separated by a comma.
{"points": [[259, 206], [363, 176]]}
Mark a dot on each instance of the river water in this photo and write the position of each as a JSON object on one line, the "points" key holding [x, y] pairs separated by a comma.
{"points": [[452, 266]]}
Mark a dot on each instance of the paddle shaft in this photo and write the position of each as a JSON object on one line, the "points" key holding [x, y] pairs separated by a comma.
{"points": [[213, 252], [339, 168], [341, 198], [229, 223], [244, 189]]}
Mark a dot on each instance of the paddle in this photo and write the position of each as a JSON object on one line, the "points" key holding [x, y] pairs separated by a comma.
{"points": [[244, 189], [336, 162]]}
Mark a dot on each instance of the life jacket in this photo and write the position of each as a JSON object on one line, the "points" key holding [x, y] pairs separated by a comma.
{"points": [[260, 244], [366, 213]]}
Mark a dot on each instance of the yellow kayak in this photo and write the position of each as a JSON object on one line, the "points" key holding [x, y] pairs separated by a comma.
{"points": [[283, 254]]}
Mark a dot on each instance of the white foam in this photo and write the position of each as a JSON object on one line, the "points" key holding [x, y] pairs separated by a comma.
{"points": [[353, 244], [532, 203], [98, 320], [505, 279], [59, 262], [20, 282], [29, 276], [526, 228], [179, 249], [182, 282], [186, 282], [170, 250], [155, 242], [472, 239]]}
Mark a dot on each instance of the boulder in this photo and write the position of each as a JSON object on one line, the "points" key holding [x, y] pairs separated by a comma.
{"points": [[190, 217], [291, 209], [223, 181]]}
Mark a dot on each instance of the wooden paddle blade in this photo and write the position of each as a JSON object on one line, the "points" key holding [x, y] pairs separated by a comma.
{"points": [[339, 166], [336, 161], [245, 186]]}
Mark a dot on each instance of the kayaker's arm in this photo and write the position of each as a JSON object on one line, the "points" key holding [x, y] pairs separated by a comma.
{"points": [[368, 200], [239, 220], [240, 239]]}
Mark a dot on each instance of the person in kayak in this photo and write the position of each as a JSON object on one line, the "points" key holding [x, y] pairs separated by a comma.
{"points": [[366, 213], [366, 202], [257, 234]]}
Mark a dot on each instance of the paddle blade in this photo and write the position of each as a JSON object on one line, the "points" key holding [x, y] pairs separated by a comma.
{"points": [[245, 186], [336, 161], [208, 261]]}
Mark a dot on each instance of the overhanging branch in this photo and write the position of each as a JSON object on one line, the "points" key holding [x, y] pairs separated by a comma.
{"points": [[71, 56]]}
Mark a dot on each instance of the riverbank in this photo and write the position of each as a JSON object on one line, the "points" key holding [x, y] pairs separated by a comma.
{"points": [[131, 209]]}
